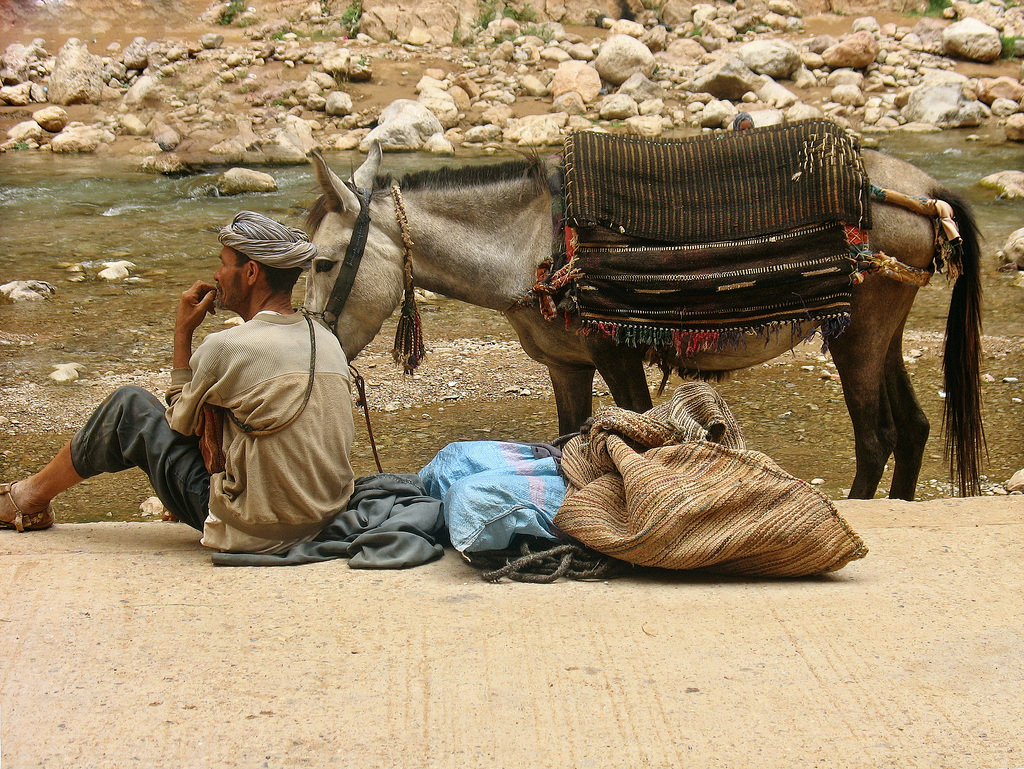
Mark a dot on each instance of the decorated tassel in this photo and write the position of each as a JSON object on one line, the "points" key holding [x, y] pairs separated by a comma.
{"points": [[409, 349]]}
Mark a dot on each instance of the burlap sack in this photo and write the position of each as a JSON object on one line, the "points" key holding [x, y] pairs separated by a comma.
{"points": [[638, 493]]}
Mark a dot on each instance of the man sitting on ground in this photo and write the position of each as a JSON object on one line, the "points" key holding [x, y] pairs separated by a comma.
{"points": [[253, 450]]}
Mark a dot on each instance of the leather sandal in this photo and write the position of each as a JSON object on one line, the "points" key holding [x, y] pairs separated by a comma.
{"points": [[42, 519]]}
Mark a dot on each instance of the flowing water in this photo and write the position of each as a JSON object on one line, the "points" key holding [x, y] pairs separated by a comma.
{"points": [[59, 212]]}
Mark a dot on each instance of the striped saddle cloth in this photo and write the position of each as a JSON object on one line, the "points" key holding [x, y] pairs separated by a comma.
{"points": [[692, 244]]}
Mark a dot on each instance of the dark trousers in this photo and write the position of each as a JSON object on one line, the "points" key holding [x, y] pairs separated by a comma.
{"points": [[129, 430]]}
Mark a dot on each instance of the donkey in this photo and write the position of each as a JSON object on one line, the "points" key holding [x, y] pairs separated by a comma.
{"points": [[480, 233]]}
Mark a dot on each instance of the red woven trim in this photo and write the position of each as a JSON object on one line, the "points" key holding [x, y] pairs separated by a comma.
{"points": [[855, 236]]}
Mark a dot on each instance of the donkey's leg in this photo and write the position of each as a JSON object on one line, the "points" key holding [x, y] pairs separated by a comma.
{"points": [[574, 389], [622, 368], [912, 426], [568, 362], [860, 361]]}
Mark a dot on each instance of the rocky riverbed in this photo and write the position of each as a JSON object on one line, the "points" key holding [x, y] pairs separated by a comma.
{"points": [[270, 81]]}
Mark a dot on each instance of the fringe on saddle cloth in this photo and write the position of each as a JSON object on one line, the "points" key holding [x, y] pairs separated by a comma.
{"points": [[689, 245], [676, 488]]}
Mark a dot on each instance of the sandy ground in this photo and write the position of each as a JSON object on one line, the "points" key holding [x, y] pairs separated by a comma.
{"points": [[125, 647]]}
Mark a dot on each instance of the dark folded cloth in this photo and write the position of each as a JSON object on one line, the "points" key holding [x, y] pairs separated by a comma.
{"points": [[390, 523]]}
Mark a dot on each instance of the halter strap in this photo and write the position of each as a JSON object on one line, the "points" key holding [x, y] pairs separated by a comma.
{"points": [[353, 256]]}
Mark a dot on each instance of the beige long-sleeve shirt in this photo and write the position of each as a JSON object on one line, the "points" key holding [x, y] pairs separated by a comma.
{"points": [[284, 487]]}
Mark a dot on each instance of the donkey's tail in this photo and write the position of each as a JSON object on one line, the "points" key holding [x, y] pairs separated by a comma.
{"points": [[961, 419]]}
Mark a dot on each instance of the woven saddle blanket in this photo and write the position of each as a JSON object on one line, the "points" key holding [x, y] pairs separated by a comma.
{"points": [[733, 184], [692, 244]]}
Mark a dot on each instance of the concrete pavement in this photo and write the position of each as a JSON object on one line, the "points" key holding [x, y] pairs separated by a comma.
{"points": [[123, 646]]}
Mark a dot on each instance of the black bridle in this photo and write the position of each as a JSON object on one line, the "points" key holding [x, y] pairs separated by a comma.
{"points": [[343, 287], [350, 266]]}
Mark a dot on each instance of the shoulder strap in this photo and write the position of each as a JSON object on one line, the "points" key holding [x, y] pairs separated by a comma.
{"points": [[248, 430]]}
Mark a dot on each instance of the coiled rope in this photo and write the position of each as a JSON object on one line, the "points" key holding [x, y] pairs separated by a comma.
{"points": [[545, 564]]}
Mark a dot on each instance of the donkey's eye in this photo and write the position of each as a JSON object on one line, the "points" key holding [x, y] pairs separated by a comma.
{"points": [[323, 265]]}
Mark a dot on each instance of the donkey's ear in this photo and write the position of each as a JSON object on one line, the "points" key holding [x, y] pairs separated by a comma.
{"points": [[339, 197], [367, 172]]}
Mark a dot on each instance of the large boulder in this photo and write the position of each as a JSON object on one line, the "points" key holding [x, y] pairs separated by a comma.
{"points": [[211, 40], [855, 51], [716, 114], [775, 94], [799, 111], [1014, 128], [992, 88], [683, 52], [77, 76], [1004, 107], [1012, 253], [403, 125], [647, 126], [166, 163], [141, 90], [15, 63], [675, 13], [481, 134], [618, 106], [992, 12], [972, 40], [845, 77], [641, 88], [775, 58], [80, 138], [337, 62], [944, 105], [52, 118], [228, 150], [1016, 482], [28, 290], [570, 103], [235, 181], [133, 124], [576, 76], [338, 104], [293, 141], [536, 130], [442, 104], [728, 78], [532, 86], [627, 27], [164, 135], [136, 55], [1010, 184], [416, 22], [27, 130], [16, 95], [620, 56], [849, 95]]}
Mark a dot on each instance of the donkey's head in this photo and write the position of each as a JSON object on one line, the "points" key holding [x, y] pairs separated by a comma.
{"points": [[377, 287]]}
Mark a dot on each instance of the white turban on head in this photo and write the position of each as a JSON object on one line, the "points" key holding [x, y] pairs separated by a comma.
{"points": [[271, 243]]}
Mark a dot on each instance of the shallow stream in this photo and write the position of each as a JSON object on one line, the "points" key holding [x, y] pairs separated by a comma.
{"points": [[56, 212]]}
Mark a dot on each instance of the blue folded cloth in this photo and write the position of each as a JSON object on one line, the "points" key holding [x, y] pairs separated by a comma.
{"points": [[494, 490]]}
